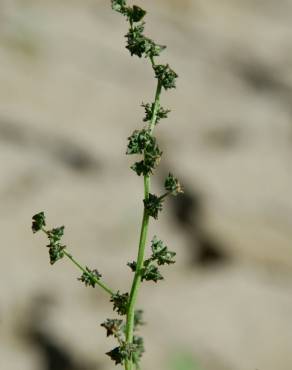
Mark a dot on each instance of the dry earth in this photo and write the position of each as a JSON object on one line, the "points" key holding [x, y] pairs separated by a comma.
{"points": [[69, 97]]}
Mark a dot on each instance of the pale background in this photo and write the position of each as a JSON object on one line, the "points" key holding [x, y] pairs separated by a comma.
{"points": [[69, 97]]}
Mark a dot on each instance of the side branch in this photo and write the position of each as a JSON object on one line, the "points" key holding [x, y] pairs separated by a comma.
{"points": [[91, 275]]}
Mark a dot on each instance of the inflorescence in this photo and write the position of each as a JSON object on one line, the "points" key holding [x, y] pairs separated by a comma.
{"points": [[130, 346]]}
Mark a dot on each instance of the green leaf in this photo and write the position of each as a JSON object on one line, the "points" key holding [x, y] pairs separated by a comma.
{"points": [[149, 111]]}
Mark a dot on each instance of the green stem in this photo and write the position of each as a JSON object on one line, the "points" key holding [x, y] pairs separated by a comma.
{"points": [[97, 281], [165, 195], [142, 243], [136, 284], [76, 263]]}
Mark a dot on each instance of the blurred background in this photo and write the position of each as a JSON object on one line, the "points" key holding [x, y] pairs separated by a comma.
{"points": [[70, 97]]}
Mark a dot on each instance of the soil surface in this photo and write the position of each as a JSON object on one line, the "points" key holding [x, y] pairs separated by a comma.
{"points": [[70, 96]]}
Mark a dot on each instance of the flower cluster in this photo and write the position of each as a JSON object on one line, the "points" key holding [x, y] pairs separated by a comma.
{"points": [[120, 302], [165, 75], [113, 327], [149, 113], [137, 43], [56, 249], [38, 222], [124, 351], [160, 252], [90, 277], [153, 205], [161, 255], [172, 185], [134, 14], [128, 351], [142, 142]]}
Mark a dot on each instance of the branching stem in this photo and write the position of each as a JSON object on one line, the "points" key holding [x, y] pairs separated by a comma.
{"points": [[142, 142], [96, 280]]}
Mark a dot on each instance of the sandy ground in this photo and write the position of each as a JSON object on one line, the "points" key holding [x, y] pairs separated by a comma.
{"points": [[69, 97]]}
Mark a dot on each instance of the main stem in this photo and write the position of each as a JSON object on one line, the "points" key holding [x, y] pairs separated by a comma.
{"points": [[142, 243]]}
